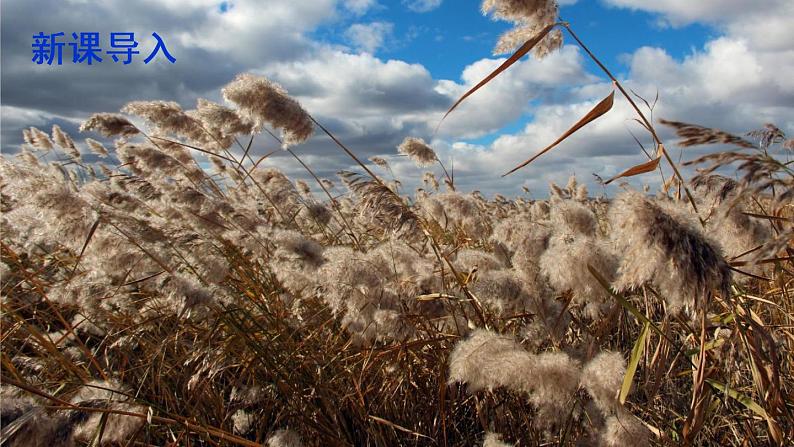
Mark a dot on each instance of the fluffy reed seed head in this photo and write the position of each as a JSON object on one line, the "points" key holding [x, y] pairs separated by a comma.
{"points": [[529, 17], [418, 151], [602, 377], [565, 264], [38, 139], [379, 203], [295, 246], [118, 428], [28, 157], [26, 424], [555, 380], [487, 360], [721, 202], [494, 440], [469, 258], [109, 125], [663, 245], [453, 210], [303, 188], [96, 147], [624, 429], [219, 118], [379, 162], [63, 140], [503, 290], [768, 136], [262, 101], [285, 438], [243, 421], [429, 179], [569, 216], [694, 135], [167, 117]]}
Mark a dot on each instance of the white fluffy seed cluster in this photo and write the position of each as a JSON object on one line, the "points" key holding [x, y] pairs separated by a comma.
{"points": [[486, 360], [159, 238], [529, 18], [262, 102], [418, 151]]}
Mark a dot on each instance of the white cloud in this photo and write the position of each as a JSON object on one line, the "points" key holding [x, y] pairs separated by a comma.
{"points": [[359, 7], [369, 37], [682, 12], [370, 97], [276, 28], [422, 5], [507, 97], [737, 81], [766, 24], [767, 29], [600, 147], [16, 116], [725, 85]]}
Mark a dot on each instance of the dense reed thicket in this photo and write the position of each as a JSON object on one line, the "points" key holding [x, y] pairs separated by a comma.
{"points": [[188, 296]]}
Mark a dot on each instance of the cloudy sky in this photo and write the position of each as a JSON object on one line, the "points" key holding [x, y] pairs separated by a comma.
{"points": [[376, 71]]}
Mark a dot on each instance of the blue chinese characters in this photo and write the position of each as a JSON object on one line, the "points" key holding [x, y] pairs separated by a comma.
{"points": [[86, 48]]}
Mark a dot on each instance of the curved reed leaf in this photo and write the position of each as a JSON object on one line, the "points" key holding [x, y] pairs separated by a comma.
{"points": [[631, 369], [641, 168], [601, 108], [521, 52]]}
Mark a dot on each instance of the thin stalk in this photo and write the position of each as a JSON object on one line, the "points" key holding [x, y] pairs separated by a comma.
{"points": [[348, 151], [634, 105], [346, 224], [451, 180], [64, 405]]}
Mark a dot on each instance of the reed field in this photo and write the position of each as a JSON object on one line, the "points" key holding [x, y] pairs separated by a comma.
{"points": [[180, 293]]}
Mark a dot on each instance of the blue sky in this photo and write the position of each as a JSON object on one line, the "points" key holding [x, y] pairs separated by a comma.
{"points": [[377, 71], [450, 37]]}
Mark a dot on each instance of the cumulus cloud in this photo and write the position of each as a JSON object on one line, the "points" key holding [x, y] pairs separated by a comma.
{"points": [[682, 12], [737, 81], [370, 103], [724, 85], [766, 24], [211, 46], [422, 5], [251, 30], [369, 37], [358, 86], [507, 97], [359, 7]]}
